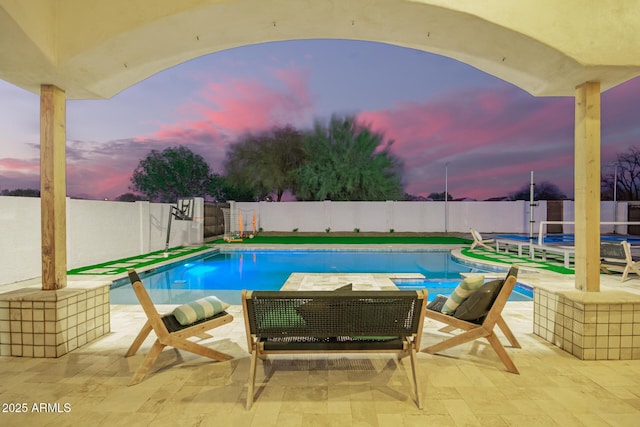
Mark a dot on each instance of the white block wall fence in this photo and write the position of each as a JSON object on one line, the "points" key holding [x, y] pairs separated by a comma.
{"points": [[424, 217], [99, 231]]}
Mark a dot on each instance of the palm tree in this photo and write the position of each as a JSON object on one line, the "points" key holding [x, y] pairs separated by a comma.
{"points": [[345, 162]]}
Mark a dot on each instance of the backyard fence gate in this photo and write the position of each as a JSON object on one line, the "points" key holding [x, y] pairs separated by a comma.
{"points": [[214, 219]]}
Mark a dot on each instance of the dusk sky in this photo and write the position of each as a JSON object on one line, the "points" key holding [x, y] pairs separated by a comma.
{"points": [[437, 110]]}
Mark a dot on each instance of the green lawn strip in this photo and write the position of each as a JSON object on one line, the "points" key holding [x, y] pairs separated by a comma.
{"points": [[485, 255], [351, 240], [123, 269]]}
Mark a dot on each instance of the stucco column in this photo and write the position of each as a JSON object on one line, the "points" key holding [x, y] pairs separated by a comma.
{"points": [[53, 187], [587, 187]]}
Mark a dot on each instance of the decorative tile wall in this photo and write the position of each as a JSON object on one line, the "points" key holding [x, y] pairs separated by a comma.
{"points": [[37, 323], [590, 330]]}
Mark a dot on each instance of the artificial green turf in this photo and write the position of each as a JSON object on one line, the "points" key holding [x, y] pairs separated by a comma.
{"points": [[113, 267], [485, 255], [351, 240]]}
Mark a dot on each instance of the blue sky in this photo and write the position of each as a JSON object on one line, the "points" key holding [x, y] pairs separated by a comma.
{"points": [[437, 110]]}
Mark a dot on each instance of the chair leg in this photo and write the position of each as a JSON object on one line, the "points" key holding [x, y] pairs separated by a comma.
{"points": [[142, 335], [502, 353], [251, 385], [605, 270], [447, 329], [155, 351], [190, 346], [625, 273], [416, 390], [456, 340], [507, 333]]}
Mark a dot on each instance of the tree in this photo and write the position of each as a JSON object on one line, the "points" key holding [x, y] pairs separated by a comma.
{"points": [[543, 191], [170, 174], [626, 174], [439, 196], [26, 192], [222, 190], [345, 161], [414, 198], [266, 163], [129, 197]]}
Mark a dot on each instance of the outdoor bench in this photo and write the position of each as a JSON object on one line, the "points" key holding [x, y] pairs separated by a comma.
{"points": [[507, 244], [340, 321], [566, 254]]}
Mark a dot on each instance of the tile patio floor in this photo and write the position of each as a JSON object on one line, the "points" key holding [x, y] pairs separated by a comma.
{"points": [[466, 387]]}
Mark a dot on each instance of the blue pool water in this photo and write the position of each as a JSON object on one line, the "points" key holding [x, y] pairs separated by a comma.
{"points": [[226, 273], [521, 292]]}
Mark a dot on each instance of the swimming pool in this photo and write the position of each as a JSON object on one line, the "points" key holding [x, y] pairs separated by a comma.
{"points": [[226, 273]]}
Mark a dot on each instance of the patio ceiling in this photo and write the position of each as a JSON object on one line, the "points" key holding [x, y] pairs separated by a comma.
{"points": [[96, 48]]}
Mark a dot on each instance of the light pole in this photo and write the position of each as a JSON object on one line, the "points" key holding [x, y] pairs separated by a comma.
{"points": [[446, 197]]}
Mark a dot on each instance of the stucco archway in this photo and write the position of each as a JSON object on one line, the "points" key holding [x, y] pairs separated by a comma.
{"points": [[94, 49]]}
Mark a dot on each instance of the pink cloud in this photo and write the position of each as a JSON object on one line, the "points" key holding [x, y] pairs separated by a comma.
{"points": [[10, 165], [491, 139], [229, 109]]}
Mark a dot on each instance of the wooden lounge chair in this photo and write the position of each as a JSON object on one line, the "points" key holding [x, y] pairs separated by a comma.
{"points": [[479, 241], [488, 307], [618, 257], [169, 332]]}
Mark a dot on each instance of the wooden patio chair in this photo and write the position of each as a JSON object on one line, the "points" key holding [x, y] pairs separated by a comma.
{"points": [[612, 257], [631, 265], [169, 332], [479, 241], [477, 316], [617, 257]]}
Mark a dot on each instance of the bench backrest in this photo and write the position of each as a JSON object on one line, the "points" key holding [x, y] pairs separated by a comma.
{"points": [[324, 314]]}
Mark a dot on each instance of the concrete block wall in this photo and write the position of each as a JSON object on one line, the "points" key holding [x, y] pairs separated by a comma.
{"points": [[427, 217], [97, 231]]}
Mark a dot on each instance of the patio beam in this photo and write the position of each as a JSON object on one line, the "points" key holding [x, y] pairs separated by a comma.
{"points": [[587, 187], [53, 187]]}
